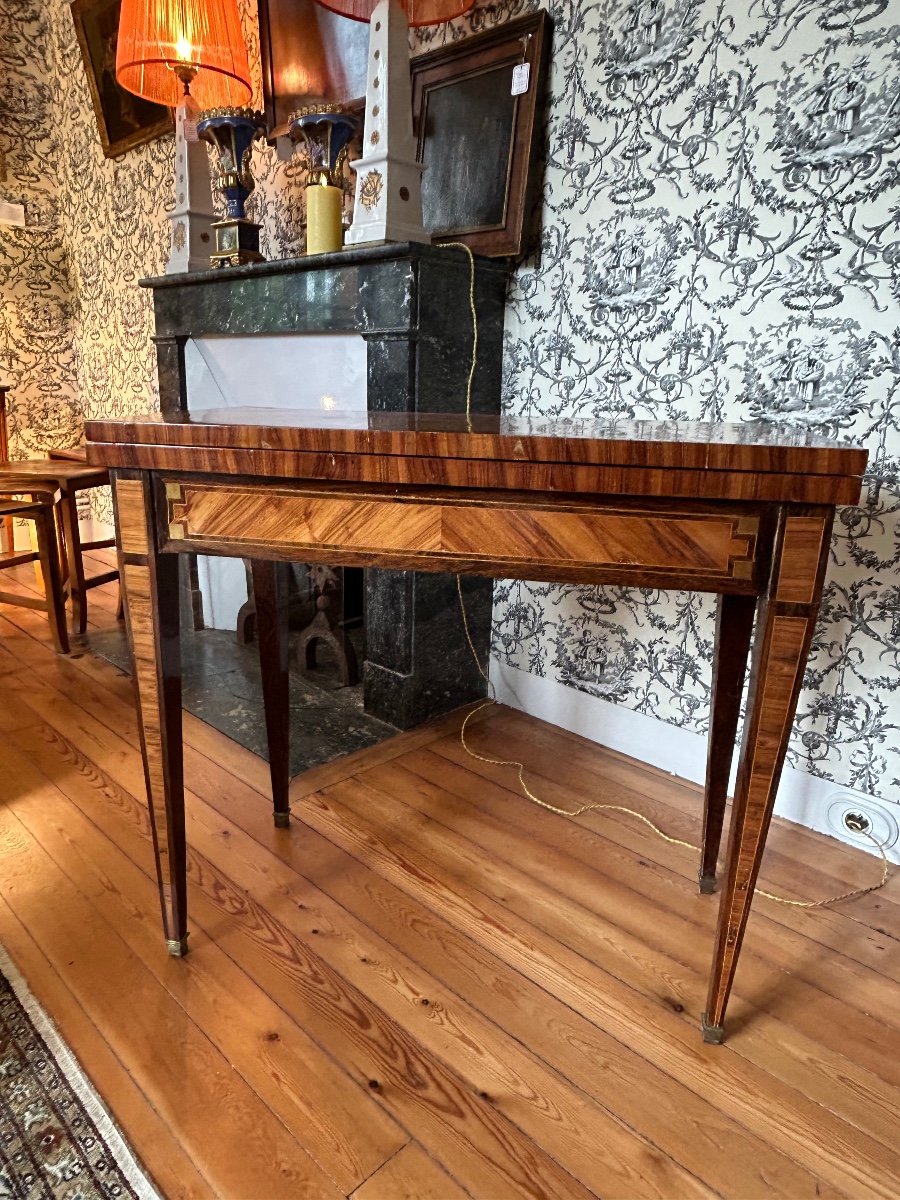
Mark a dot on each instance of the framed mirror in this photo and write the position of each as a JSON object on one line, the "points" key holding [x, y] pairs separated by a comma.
{"points": [[309, 53]]}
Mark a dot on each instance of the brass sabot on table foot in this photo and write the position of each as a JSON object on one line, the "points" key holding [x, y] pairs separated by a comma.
{"points": [[714, 1034]]}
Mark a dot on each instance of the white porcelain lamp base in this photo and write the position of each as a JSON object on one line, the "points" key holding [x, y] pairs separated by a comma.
{"points": [[388, 205]]}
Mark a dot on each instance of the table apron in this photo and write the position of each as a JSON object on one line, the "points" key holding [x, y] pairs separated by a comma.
{"points": [[704, 548]]}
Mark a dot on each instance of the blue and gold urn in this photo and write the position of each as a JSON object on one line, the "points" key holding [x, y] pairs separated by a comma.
{"points": [[325, 131], [232, 132]]}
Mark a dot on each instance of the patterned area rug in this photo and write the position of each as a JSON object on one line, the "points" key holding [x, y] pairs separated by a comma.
{"points": [[57, 1141]]}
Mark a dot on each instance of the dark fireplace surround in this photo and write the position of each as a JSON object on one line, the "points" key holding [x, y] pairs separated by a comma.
{"points": [[410, 303]]}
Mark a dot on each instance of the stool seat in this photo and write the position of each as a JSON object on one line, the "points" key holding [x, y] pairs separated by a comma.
{"points": [[48, 474], [21, 508], [59, 480]]}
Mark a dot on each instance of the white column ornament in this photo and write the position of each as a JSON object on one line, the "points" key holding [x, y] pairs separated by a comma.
{"points": [[191, 219], [388, 202]]}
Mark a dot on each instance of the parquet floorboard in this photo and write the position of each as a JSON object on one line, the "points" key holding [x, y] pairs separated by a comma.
{"points": [[428, 988], [530, 842], [410, 1175]]}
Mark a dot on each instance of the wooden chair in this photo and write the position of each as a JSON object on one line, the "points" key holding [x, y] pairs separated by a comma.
{"points": [[79, 454], [42, 512]]}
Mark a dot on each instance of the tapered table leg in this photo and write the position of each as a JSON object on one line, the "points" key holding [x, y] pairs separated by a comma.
{"points": [[784, 631], [270, 588], [150, 592], [734, 625]]}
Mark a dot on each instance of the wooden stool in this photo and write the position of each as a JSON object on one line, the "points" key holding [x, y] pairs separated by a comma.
{"points": [[6, 523], [53, 604], [79, 454], [62, 479]]}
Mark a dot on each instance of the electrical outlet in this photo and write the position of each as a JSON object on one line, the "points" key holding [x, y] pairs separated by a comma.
{"points": [[857, 822], [859, 819]]}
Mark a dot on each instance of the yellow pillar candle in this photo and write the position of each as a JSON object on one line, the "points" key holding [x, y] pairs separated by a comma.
{"points": [[323, 218]]}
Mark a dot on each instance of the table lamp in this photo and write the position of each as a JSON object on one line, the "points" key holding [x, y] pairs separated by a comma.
{"points": [[190, 55], [388, 199]]}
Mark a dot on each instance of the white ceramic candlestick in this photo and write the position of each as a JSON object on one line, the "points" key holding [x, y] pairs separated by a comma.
{"points": [[388, 202], [192, 217]]}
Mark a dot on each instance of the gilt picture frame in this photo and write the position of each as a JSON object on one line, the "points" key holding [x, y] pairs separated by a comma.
{"points": [[480, 142], [124, 120]]}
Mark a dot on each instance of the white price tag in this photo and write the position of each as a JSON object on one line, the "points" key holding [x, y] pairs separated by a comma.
{"points": [[520, 79]]}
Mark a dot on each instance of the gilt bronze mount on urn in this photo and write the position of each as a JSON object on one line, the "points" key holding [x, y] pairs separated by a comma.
{"points": [[232, 132]]}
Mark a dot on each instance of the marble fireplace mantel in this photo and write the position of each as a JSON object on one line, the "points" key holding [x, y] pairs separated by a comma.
{"points": [[410, 304]]}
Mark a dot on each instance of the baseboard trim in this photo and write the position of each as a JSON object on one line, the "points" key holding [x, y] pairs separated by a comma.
{"points": [[802, 798]]}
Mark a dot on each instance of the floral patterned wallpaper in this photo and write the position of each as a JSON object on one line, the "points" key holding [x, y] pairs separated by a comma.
{"points": [[36, 343], [721, 239], [75, 327]]}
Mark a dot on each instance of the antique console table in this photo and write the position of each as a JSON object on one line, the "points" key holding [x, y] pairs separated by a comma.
{"points": [[744, 511]]}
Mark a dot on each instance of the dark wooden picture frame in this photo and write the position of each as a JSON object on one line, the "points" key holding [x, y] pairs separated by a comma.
{"points": [[123, 119], [478, 141]]}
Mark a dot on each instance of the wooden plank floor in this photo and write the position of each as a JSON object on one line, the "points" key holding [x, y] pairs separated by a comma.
{"points": [[428, 987]]}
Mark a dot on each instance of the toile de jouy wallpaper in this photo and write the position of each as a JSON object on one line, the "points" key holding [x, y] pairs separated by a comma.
{"points": [[721, 239], [36, 292]]}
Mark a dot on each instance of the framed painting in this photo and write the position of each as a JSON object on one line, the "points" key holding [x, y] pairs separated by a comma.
{"points": [[478, 111], [123, 119]]}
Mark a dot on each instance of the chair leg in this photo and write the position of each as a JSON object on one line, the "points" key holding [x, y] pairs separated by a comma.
{"points": [[62, 556], [48, 553], [77, 589], [9, 528]]}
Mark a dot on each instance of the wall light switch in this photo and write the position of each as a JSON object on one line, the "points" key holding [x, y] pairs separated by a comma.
{"points": [[12, 214]]}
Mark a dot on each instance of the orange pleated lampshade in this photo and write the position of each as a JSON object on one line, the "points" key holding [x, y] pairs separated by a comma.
{"points": [[418, 12], [156, 35]]}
